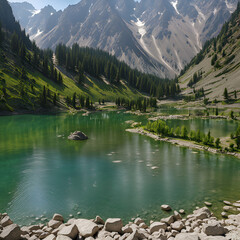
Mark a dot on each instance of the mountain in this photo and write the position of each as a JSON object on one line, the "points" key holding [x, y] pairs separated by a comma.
{"points": [[156, 36], [32, 79], [217, 66]]}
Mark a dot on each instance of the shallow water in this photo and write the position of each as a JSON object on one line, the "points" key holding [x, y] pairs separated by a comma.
{"points": [[113, 174]]}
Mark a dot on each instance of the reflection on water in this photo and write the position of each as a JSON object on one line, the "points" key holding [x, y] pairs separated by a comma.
{"points": [[113, 174]]}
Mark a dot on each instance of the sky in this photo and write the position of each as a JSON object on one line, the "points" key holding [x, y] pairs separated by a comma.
{"points": [[57, 4]]}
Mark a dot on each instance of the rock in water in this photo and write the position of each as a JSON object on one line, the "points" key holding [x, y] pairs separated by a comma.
{"points": [[166, 207], [78, 136]]}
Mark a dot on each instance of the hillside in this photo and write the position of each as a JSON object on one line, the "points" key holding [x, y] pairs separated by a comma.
{"points": [[154, 36], [32, 79], [217, 66]]}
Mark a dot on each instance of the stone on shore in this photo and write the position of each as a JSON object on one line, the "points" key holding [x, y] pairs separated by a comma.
{"points": [[58, 217], [99, 220], [114, 225], [78, 136], [6, 221], [224, 214], [202, 213], [69, 231], [177, 226], [168, 220], [11, 232], [214, 228], [208, 204], [50, 237], [227, 208], [187, 236], [236, 205], [166, 207], [227, 203], [182, 211], [54, 224], [156, 226], [86, 227]]}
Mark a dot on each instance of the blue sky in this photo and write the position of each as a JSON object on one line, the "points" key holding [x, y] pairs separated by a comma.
{"points": [[57, 4]]}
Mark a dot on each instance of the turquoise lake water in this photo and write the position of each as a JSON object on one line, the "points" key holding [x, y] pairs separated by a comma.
{"points": [[111, 175]]}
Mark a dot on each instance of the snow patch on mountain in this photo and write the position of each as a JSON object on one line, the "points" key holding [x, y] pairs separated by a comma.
{"points": [[35, 12], [39, 32], [230, 6], [174, 4], [141, 27]]}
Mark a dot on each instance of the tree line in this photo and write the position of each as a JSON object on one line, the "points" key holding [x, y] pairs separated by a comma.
{"points": [[98, 63], [140, 103], [161, 128]]}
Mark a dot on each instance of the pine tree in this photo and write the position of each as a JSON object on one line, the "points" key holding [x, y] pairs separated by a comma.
{"points": [[55, 99], [15, 43], [1, 34], [225, 94], [217, 143], [74, 100]]}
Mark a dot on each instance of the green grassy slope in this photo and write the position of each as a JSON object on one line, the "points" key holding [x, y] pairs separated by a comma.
{"points": [[24, 94], [224, 71]]}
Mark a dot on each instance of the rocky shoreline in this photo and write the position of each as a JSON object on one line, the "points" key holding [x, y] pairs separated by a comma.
{"points": [[180, 142], [201, 225]]}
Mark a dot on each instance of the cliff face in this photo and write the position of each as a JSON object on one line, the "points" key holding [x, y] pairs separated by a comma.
{"points": [[219, 63], [160, 37]]}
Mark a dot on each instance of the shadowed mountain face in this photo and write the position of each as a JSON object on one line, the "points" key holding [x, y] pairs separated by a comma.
{"points": [[219, 67], [157, 36]]}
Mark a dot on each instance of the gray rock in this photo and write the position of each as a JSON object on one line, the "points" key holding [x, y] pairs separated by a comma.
{"points": [[214, 228], [182, 211], [187, 236], [54, 224], [34, 227], [236, 205], [214, 238], [86, 227], [62, 237], [177, 216], [177, 226], [227, 208], [78, 136], [69, 231], [208, 204], [168, 220], [50, 237], [156, 226], [114, 225], [6, 221], [166, 207], [58, 217], [224, 214], [138, 221], [99, 220], [143, 225], [227, 202], [202, 213], [11, 232]]}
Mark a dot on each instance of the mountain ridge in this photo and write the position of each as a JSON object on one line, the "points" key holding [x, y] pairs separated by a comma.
{"points": [[162, 36], [217, 66]]}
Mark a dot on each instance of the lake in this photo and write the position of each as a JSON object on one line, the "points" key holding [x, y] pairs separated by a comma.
{"points": [[113, 174]]}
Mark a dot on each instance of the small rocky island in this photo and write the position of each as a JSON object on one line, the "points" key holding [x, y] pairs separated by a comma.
{"points": [[78, 135]]}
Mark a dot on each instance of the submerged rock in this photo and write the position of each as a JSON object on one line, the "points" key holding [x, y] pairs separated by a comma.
{"points": [[166, 207], [78, 136]]}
